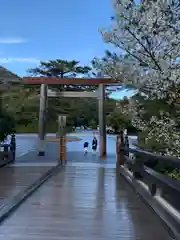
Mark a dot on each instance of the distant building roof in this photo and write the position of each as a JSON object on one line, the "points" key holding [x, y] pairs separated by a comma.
{"points": [[8, 77]]}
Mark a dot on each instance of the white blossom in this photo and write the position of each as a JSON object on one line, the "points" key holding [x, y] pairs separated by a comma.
{"points": [[149, 34], [160, 130], [148, 37]]}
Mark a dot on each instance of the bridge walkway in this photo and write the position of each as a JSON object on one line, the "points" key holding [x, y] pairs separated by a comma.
{"points": [[84, 201]]}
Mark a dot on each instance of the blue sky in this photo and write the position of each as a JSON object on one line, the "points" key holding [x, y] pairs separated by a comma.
{"points": [[51, 29]]}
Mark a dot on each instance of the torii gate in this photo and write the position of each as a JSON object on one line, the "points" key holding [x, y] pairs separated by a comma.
{"points": [[44, 94]]}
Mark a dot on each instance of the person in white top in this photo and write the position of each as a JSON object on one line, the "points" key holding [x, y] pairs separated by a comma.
{"points": [[7, 140]]}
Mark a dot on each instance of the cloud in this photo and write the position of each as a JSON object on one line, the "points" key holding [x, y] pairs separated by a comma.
{"points": [[13, 40], [22, 60]]}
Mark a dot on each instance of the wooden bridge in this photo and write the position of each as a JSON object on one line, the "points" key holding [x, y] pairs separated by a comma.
{"points": [[88, 199]]}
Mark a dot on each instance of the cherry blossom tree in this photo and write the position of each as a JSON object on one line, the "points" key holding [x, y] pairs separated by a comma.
{"points": [[160, 132], [147, 39]]}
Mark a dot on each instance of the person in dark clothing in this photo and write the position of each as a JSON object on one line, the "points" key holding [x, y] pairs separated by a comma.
{"points": [[13, 145], [94, 144], [122, 137], [86, 144]]}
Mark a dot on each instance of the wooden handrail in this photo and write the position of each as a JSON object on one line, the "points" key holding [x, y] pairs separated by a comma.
{"points": [[138, 166]]}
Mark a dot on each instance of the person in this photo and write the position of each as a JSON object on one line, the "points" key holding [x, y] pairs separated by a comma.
{"points": [[122, 138], [94, 144], [86, 144], [13, 145], [5, 145]]}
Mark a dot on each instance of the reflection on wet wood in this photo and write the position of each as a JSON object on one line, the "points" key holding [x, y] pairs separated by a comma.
{"points": [[84, 204], [16, 179]]}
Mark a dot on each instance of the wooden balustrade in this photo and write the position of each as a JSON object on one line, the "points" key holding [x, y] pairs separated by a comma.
{"points": [[6, 155], [161, 191], [138, 166]]}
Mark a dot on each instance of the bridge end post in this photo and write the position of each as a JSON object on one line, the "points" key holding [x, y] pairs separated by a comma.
{"points": [[120, 150], [62, 136]]}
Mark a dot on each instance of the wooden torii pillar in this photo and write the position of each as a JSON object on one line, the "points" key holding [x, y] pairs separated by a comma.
{"points": [[99, 94], [42, 120], [102, 121]]}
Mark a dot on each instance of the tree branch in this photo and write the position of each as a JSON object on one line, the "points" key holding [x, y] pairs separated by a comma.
{"points": [[150, 54]]}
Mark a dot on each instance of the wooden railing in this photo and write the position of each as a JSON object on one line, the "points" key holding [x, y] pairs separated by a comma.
{"points": [[6, 154], [160, 190]]}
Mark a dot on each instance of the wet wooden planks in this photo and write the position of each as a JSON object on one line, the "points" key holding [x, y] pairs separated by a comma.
{"points": [[14, 179], [84, 204]]}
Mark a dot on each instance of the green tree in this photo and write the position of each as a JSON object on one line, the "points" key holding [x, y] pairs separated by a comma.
{"points": [[93, 124], [7, 125], [61, 69], [22, 102], [117, 120]]}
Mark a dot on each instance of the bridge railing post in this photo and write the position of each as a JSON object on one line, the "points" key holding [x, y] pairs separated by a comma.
{"points": [[120, 151], [62, 137], [138, 167]]}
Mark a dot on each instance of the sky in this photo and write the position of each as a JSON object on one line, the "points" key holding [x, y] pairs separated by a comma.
{"points": [[33, 31]]}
